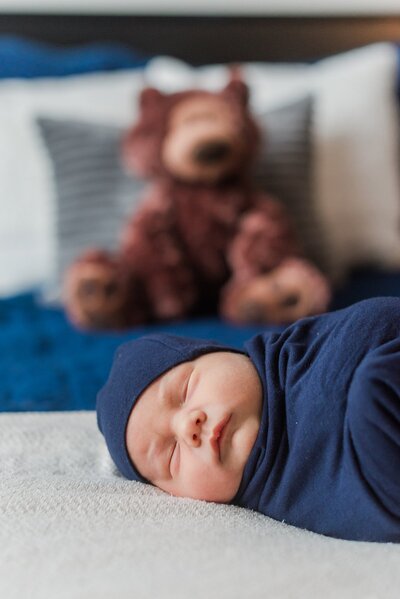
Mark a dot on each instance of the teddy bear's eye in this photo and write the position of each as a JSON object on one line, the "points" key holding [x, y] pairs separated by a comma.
{"points": [[110, 288], [89, 287]]}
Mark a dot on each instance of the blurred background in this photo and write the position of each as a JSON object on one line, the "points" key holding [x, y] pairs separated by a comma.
{"points": [[324, 86]]}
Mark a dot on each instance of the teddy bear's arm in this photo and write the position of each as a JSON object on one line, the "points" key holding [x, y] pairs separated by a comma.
{"points": [[264, 238]]}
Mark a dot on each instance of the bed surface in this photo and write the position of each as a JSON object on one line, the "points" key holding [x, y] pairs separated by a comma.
{"points": [[71, 527]]}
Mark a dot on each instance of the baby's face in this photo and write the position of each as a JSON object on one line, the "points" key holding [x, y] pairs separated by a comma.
{"points": [[192, 430]]}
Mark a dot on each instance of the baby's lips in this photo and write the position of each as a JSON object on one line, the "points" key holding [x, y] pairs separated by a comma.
{"points": [[215, 447], [217, 436]]}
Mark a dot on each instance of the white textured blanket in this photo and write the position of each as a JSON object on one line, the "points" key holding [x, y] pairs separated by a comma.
{"points": [[71, 528]]}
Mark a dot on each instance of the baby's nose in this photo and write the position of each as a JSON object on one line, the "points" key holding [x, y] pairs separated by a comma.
{"points": [[191, 427]]}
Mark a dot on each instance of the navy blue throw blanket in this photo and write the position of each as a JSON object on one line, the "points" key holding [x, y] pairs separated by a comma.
{"points": [[327, 455], [28, 59], [46, 364]]}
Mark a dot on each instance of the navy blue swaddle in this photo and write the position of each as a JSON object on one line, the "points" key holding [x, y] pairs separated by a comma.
{"points": [[327, 454]]}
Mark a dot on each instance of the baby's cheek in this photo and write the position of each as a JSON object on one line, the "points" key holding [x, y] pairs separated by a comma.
{"points": [[212, 483], [241, 444]]}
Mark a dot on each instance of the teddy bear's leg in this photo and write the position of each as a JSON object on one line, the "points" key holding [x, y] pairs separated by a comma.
{"points": [[270, 282], [98, 293], [290, 291]]}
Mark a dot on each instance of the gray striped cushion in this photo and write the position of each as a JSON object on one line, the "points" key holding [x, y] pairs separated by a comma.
{"points": [[94, 195], [285, 167]]}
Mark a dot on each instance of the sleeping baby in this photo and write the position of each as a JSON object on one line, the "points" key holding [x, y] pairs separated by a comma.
{"points": [[303, 426]]}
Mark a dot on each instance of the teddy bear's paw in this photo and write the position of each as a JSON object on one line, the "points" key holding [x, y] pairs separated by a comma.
{"points": [[95, 294], [291, 291], [298, 277]]}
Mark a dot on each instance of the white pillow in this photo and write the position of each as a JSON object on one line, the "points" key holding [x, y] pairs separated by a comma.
{"points": [[357, 162], [271, 84], [356, 142]]}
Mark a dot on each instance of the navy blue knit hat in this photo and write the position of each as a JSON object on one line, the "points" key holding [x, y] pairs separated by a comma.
{"points": [[137, 364]]}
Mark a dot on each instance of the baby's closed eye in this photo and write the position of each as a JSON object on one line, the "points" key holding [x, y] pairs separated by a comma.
{"points": [[184, 393], [174, 458]]}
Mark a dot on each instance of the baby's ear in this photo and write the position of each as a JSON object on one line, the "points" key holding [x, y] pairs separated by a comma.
{"points": [[151, 98], [236, 88]]}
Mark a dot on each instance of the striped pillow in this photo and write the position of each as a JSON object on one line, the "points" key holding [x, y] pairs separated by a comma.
{"points": [[284, 168], [94, 196]]}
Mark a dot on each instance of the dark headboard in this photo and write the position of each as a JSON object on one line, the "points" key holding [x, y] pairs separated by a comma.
{"points": [[212, 39]]}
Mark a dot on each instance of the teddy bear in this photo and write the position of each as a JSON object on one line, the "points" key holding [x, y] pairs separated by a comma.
{"points": [[203, 240]]}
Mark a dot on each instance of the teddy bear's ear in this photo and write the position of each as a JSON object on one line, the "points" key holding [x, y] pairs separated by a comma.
{"points": [[150, 98], [236, 88]]}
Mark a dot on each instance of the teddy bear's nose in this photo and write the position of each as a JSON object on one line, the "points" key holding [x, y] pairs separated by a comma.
{"points": [[290, 300], [212, 151]]}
